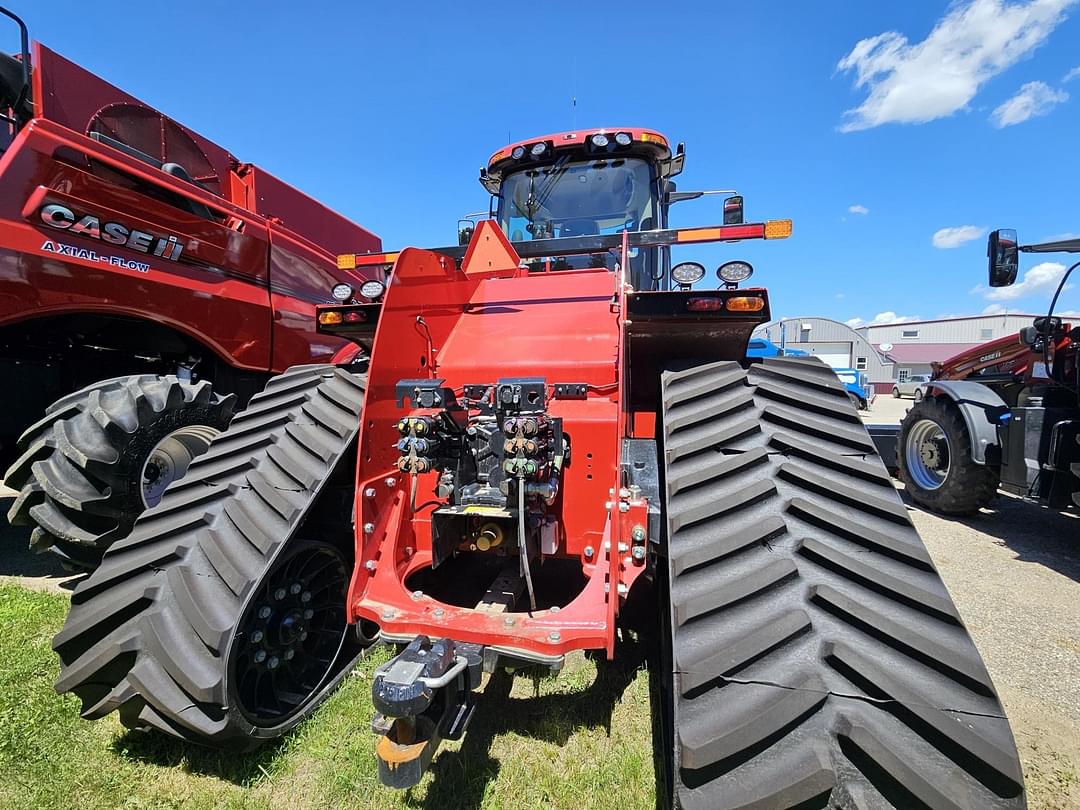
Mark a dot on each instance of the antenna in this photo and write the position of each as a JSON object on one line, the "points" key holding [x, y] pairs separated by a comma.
{"points": [[573, 112]]}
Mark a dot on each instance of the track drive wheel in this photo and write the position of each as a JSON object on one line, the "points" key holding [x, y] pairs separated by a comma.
{"points": [[935, 460], [813, 656], [218, 620], [102, 455]]}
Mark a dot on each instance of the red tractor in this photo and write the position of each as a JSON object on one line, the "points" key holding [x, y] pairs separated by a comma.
{"points": [[150, 283], [551, 427], [1002, 415]]}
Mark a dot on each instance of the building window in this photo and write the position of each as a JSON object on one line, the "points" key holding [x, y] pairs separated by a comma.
{"points": [[903, 374], [860, 364], [986, 334], [804, 333], [909, 333]]}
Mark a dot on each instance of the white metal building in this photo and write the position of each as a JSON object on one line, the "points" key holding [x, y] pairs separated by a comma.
{"points": [[890, 352], [914, 345]]}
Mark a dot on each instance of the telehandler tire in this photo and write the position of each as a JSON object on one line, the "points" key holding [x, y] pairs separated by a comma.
{"points": [[934, 456], [221, 618], [813, 656], [102, 455]]}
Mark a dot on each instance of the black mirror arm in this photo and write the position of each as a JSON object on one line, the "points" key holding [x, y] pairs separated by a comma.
{"points": [[1063, 246]]}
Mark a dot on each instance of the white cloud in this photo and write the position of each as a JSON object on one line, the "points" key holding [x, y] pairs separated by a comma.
{"points": [[840, 296], [1072, 74], [994, 309], [972, 43], [1041, 278], [881, 319], [858, 209], [947, 238], [1032, 100]]}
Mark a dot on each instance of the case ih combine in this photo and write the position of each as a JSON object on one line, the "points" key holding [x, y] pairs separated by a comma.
{"points": [[545, 428], [151, 272], [1004, 415]]}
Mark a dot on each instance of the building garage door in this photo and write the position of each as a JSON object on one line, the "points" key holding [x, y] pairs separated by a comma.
{"points": [[837, 355]]}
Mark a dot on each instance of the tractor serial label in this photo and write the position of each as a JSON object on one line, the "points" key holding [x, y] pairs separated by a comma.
{"points": [[63, 218]]}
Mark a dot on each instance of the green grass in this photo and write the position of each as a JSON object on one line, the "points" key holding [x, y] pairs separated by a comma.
{"points": [[582, 739]]}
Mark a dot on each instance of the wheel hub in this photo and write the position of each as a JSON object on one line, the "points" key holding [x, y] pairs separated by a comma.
{"points": [[926, 453], [170, 458]]}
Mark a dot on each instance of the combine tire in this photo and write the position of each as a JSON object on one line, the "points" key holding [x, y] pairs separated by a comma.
{"points": [[935, 461], [220, 620], [102, 455], [813, 656]]}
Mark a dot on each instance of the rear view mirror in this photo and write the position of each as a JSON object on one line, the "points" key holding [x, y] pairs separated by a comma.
{"points": [[1004, 256], [465, 229], [733, 211]]}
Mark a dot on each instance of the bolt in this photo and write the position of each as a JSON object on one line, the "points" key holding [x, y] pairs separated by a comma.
{"points": [[388, 614], [623, 506], [289, 654], [303, 635], [264, 613], [607, 505], [555, 608], [509, 621], [635, 491], [279, 594], [626, 561], [370, 565], [305, 596], [256, 636], [623, 589], [624, 493], [260, 656], [589, 550], [309, 613], [639, 553], [295, 588], [439, 613], [623, 548], [417, 595], [369, 492], [638, 533], [390, 481], [554, 635], [369, 528], [611, 492], [607, 545], [273, 662], [408, 550]]}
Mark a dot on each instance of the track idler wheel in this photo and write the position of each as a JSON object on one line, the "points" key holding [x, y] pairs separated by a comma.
{"points": [[422, 697]]}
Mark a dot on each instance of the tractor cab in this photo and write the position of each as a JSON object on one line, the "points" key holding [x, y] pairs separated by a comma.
{"points": [[586, 183]]}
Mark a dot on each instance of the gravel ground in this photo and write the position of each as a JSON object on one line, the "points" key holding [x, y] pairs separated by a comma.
{"points": [[1014, 572]]}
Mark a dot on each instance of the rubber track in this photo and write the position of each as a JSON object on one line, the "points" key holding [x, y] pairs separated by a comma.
{"points": [[71, 489], [818, 660], [149, 631]]}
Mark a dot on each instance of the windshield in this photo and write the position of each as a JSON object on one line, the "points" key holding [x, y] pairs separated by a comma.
{"points": [[583, 198], [577, 198]]}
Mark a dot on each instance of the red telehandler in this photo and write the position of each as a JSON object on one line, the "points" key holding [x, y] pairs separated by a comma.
{"points": [[150, 283], [1004, 415], [548, 428]]}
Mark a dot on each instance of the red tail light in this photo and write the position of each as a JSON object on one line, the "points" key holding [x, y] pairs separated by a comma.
{"points": [[705, 304], [355, 317]]}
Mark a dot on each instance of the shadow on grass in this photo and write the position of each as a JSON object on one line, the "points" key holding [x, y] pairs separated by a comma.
{"points": [[461, 777], [241, 769]]}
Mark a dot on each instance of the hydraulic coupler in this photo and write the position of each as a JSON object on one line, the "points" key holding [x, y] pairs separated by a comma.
{"points": [[422, 696]]}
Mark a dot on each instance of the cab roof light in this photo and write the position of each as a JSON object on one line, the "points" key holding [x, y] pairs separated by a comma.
{"points": [[777, 228], [346, 261]]}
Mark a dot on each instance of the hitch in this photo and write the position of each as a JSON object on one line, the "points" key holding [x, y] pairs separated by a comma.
{"points": [[422, 696]]}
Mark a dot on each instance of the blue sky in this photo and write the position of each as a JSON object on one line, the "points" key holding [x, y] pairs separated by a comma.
{"points": [[385, 111]]}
